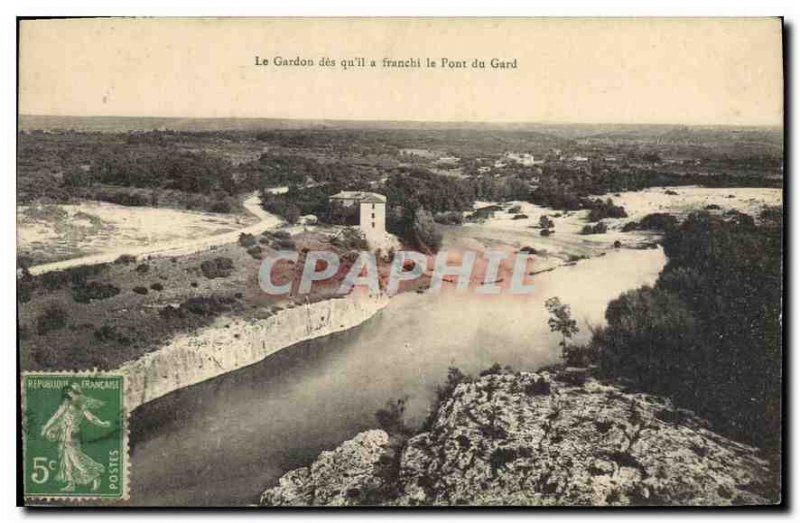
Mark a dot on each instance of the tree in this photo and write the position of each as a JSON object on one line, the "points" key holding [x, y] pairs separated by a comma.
{"points": [[424, 232], [545, 222], [561, 320], [292, 214]]}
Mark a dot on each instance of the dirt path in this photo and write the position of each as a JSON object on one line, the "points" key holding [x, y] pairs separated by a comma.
{"points": [[172, 248]]}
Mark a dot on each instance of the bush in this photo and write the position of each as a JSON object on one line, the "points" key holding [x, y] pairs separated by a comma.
{"points": [[520, 217], [143, 268], [579, 355], [247, 240], [109, 333], [125, 259], [449, 218], [207, 305], [390, 418], [424, 234], [217, 268], [494, 369], [53, 318], [220, 207], [630, 226], [545, 232], [545, 222], [443, 392], [658, 221], [140, 290], [529, 250], [283, 245], [157, 287], [599, 209], [25, 288], [94, 291], [538, 387], [598, 228], [351, 239], [255, 251]]}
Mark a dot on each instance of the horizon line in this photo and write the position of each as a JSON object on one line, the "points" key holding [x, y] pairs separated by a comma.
{"points": [[357, 120]]}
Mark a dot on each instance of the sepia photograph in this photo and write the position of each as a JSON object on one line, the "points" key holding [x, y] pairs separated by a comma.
{"points": [[400, 262]]}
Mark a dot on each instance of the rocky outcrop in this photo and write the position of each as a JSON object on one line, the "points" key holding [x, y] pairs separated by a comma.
{"points": [[233, 343], [539, 439]]}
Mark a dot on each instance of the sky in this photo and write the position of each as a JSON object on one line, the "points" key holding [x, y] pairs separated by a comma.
{"points": [[640, 71]]}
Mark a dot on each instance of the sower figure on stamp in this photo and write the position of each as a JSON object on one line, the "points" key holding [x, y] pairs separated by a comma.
{"points": [[74, 467]]}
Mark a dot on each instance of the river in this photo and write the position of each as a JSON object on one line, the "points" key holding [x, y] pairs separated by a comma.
{"points": [[223, 441]]}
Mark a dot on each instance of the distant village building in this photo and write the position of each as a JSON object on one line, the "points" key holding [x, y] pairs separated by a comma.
{"points": [[371, 210], [448, 160], [525, 159]]}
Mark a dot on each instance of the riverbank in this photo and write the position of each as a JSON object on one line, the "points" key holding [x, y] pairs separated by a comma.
{"points": [[538, 439], [232, 343]]}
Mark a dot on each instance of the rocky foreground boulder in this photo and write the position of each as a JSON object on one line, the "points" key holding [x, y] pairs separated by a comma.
{"points": [[538, 439]]}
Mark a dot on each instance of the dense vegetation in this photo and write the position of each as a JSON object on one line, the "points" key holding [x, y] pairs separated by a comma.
{"points": [[708, 334]]}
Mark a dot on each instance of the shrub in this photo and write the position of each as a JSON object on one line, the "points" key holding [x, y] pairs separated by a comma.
{"points": [[125, 259], [157, 287], [494, 369], [207, 305], [537, 387], [220, 207], [219, 267], [108, 333], [529, 250], [545, 232], [247, 240], [25, 287], [449, 218], [545, 222], [94, 291], [630, 226], [598, 228], [390, 418], [52, 318], [515, 209], [658, 221], [281, 235], [579, 355], [350, 238], [599, 209], [284, 245], [143, 268], [520, 217], [255, 251], [443, 392], [140, 290], [424, 234]]}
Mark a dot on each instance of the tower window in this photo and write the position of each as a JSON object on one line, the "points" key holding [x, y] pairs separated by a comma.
{"points": [[373, 206], [373, 225]]}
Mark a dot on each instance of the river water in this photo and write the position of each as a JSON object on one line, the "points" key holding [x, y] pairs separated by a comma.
{"points": [[223, 441]]}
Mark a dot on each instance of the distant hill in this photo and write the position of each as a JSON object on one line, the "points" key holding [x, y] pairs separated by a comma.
{"points": [[564, 131]]}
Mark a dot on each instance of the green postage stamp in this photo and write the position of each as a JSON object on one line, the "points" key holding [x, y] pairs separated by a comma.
{"points": [[74, 435]]}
